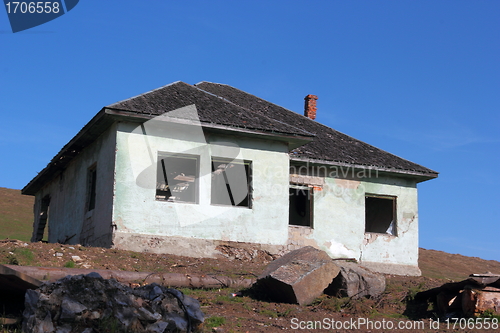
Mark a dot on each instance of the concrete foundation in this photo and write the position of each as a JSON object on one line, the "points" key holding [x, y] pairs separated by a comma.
{"points": [[205, 248]]}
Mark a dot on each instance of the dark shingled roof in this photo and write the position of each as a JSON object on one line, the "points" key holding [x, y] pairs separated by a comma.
{"points": [[220, 105], [329, 144], [211, 109]]}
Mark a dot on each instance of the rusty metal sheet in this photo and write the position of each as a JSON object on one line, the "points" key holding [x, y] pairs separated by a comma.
{"points": [[476, 301]]}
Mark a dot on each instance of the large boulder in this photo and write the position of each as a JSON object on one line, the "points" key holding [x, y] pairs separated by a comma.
{"points": [[299, 276], [356, 281], [86, 303]]}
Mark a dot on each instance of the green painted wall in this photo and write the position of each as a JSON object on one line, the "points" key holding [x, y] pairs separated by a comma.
{"points": [[137, 211]]}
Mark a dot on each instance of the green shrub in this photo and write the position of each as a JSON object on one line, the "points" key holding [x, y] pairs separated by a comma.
{"points": [[69, 264], [489, 314], [414, 290], [21, 256]]}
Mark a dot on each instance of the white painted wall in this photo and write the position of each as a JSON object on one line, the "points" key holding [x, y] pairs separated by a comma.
{"points": [[68, 192], [136, 211], [126, 199], [339, 221]]}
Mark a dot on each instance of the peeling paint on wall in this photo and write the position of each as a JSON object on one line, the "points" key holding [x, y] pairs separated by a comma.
{"points": [[346, 183], [338, 250], [369, 238], [299, 236]]}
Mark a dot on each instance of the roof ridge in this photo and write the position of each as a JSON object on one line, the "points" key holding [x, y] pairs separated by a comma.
{"points": [[266, 101], [142, 104], [247, 109], [146, 93], [227, 85], [306, 118], [322, 129]]}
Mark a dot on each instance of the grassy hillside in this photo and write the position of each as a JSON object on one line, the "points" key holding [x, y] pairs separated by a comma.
{"points": [[16, 214], [16, 222], [252, 311], [442, 265]]}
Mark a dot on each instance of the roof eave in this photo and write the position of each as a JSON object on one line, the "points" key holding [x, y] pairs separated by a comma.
{"points": [[293, 140], [95, 127], [106, 116], [417, 175]]}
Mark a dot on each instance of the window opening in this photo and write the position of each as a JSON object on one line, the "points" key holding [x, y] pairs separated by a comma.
{"points": [[231, 182], [380, 215], [177, 178], [42, 232], [92, 188], [301, 206]]}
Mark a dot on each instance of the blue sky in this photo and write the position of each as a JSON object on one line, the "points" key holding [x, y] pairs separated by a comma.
{"points": [[420, 79]]}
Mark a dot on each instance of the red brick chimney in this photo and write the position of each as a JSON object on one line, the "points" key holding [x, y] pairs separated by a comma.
{"points": [[310, 106]]}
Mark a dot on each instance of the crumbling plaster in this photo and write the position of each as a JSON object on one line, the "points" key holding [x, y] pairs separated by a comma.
{"points": [[339, 223]]}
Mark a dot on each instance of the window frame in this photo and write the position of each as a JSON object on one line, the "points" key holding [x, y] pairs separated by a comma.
{"points": [[310, 189], [394, 222], [91, 201], [249, 179], [161, 156]]}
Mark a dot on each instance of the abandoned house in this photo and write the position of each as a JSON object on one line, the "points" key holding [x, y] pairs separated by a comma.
{"points": [[188, 169]]}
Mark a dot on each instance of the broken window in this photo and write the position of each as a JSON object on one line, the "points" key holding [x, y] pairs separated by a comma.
{"points": [[301, 206], [231, 182], [91, 187], [380, 214], [177, 178]]}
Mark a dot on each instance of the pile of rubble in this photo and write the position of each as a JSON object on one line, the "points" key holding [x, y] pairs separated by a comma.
{"points": [[87, 303], [90, 303], [473, 297], [247, 253]]}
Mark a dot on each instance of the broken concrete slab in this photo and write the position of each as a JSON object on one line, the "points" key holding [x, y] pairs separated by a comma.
{"points": [[356, 281], [75, 303], [299, 276], [13, 286], [13, 280]]}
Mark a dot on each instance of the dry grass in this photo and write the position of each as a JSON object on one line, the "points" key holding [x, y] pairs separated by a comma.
{"points": [[16, 214]]}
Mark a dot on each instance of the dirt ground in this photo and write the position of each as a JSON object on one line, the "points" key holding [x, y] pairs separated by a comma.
{"points": [[250, 310]]}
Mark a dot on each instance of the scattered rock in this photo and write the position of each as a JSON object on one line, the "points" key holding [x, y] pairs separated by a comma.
{"points": [[299, 276], [83, 303], [356, 281], [76, 259]]}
